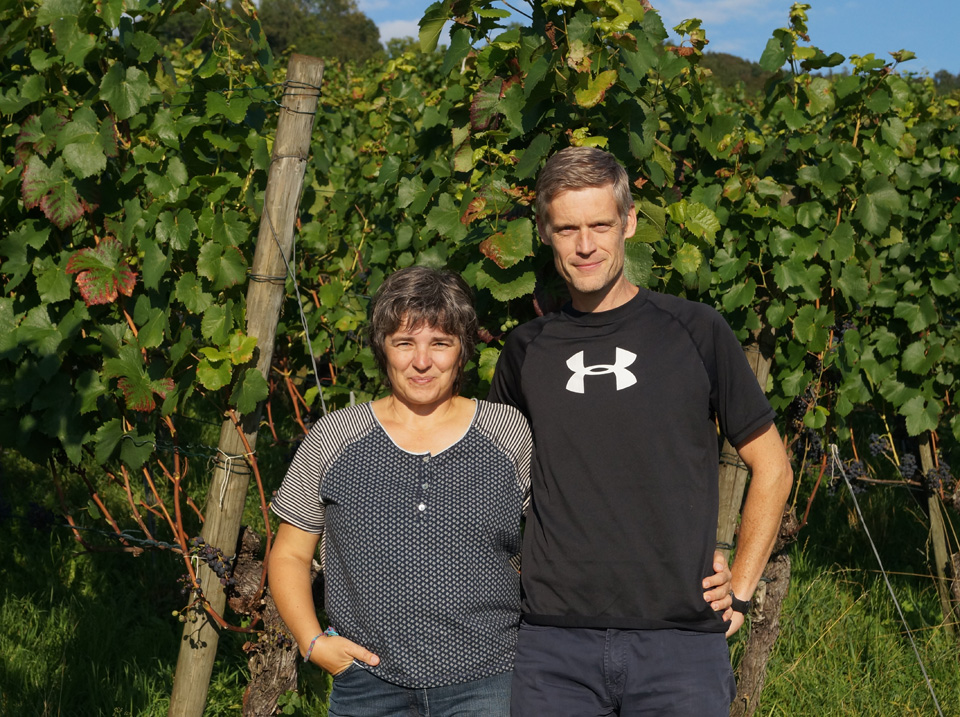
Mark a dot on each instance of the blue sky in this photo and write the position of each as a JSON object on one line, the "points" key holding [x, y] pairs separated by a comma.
{"points": [[930, 28]]}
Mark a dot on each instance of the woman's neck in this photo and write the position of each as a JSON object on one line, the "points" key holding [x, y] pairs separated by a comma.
{"points": [[424, 429]]}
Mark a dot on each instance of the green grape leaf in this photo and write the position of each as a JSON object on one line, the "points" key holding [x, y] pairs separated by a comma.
{"points": [[249, 391], [921, 414], [444, 218], [213, 374], [223, 265], [125, 90]]}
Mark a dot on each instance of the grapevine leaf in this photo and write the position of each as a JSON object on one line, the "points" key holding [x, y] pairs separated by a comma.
{"points": [[213, 374], [223, 265], [921, 415], [106, 439], [488, 362], [217, 323], [38, 179], [444, 218], [102, 272], [687, 259], [136, 448], [596, 89], [774, 55], [250, 390], [510, 246], [740, 295], [189, 293], [125, 90], [62, 204], [637, 262], [506, 284], [432, 23]]}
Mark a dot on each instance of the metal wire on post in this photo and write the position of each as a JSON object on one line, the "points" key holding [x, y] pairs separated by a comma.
{"points": [[837, 463]]}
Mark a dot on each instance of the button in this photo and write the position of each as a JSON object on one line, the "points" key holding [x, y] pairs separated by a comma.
{"points": [[422, 507], [425, 486], [426, 458]]}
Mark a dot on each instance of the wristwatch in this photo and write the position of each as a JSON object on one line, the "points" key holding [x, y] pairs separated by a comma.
{"points": [[742, 606]]}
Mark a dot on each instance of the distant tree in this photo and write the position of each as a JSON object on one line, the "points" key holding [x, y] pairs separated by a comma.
{"points": [[946, 82], [323, 28], [396, 46], [728, 70]]}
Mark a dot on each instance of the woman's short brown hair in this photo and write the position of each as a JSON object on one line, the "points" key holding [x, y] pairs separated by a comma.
{"points": [[420, 296]]}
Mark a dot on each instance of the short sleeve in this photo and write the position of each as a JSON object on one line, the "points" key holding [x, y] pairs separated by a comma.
{"points": [[738, 399]]}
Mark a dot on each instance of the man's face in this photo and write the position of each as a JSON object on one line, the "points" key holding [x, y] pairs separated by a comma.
{"points": [[584, 229]]}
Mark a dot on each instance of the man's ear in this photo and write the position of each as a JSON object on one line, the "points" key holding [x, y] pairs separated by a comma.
{"points": [[544, 231], [630, 228]]}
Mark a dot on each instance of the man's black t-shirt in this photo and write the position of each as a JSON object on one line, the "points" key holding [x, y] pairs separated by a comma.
{"points": [[624, 406]]}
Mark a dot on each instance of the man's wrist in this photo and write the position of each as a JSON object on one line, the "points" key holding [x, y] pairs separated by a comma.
{"points": [[738, 605]]}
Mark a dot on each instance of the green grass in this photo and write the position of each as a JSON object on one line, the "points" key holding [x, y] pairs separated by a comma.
{"points": [[93, 634]]}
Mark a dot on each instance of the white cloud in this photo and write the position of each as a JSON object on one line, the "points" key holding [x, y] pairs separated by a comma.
{"points": [[398, 28]]}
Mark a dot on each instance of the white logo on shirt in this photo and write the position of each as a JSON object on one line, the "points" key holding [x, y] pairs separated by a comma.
{"points": [[625, 378]]}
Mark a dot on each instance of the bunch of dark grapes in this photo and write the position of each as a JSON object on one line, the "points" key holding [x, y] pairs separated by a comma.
{"points": [[186, 584], [809, 446], [214, 558], [879, 444], [908, 466], [856, 471], [939, 477], [839, 329], [796, 411], [813, 364]]}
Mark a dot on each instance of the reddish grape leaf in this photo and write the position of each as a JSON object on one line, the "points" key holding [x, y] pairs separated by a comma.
{"points": [[138, 391], [62, 205], [38, 178], [484, 110], [102, 272]]}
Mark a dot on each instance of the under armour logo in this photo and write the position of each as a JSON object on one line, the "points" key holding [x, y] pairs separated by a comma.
{"points": [[625, 378]]}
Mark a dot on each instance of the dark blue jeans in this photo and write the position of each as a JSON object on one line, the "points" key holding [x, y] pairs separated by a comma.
{"points": [[357, 693], [575, 672]]}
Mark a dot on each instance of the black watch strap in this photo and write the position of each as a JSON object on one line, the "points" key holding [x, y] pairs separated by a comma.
{"points": [[739, 605]]}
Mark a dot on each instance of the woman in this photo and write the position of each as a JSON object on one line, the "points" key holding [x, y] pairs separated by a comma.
{"points": [[419, 497]]}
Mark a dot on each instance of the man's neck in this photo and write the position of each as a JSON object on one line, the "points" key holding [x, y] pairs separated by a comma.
{"points": [[617, 294]]}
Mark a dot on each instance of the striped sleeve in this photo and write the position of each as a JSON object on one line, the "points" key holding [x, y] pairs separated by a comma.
{"points": [[298, 501], [509, 430]]}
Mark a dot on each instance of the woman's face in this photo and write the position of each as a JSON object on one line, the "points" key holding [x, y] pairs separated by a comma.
{"points": [[422, 364]]}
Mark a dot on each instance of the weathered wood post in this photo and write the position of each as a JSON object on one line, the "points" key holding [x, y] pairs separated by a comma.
{"points": [[944, 562], [265, 295], [768, 600]]}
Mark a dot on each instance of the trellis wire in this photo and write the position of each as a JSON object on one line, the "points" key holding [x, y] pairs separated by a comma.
{"points": [[837, 463]]}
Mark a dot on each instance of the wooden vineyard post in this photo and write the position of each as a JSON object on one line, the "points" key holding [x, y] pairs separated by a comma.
{"points": [[733, 473], [265, 294], [941, 546]]}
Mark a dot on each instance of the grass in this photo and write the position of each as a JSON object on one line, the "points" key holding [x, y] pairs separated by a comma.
{"points": [[94, 634]]}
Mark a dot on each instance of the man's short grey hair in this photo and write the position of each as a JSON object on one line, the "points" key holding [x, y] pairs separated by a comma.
{"points": [[419, 296], [582, 168]]}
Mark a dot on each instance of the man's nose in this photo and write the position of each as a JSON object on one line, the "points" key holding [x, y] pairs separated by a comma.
{"points": [[585, 241]]}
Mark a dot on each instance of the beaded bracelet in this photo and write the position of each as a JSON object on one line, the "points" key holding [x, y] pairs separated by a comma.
{"points": [[329, 632], [306, 658]]}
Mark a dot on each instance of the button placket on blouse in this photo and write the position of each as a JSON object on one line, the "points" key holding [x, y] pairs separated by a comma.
{"points": [[424, 484]]}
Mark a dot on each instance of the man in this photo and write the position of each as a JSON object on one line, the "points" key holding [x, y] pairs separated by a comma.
{"points": [[625, 389]]}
